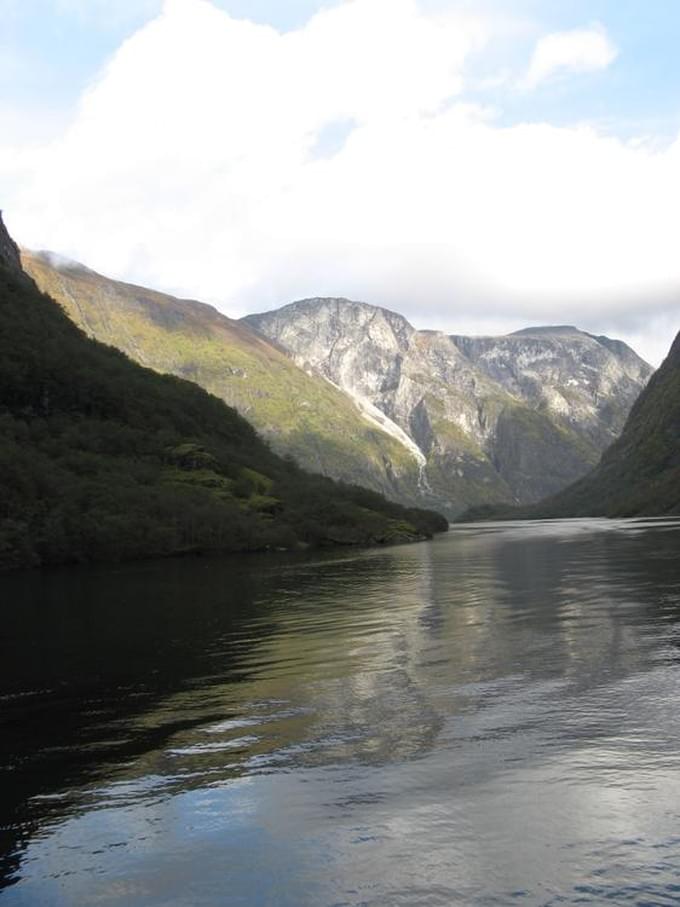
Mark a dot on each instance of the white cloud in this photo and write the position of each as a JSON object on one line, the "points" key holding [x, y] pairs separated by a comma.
{"points": [[580, 50], [193, 165]]}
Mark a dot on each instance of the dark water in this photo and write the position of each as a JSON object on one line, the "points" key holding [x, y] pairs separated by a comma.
{"points": [[490, 718]]}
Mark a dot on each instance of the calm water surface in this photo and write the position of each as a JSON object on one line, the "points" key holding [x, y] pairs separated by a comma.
{"points": [[490, 718]]}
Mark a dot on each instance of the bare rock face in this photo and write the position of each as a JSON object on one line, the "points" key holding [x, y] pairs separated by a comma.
{"points": [[588, 382], [492, 419]]}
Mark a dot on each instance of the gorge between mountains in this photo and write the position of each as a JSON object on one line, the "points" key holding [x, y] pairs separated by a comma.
{"points": [[355, 392], [339, 453], [340, 717]]}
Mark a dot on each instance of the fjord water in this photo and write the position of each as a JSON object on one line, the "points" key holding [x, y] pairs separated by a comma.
{"points": [[488, 718]]}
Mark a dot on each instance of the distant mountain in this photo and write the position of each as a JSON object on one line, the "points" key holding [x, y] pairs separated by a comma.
{"points": [[101, 459], [496, 419], [639, 475], [588, 382]]}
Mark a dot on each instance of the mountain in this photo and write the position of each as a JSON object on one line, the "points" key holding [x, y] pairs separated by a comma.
{"points": [[639, 475], [496, 419], [102, 459], [301, 415], [356, 393]]}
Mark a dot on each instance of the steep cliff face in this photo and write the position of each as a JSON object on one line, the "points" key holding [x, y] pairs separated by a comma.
{"points": [[496, 419], [588, 382]]}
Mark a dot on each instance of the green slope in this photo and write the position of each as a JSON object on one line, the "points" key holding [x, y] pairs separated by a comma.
{"points": [[639, 475], [299, 414], [102, 459]]}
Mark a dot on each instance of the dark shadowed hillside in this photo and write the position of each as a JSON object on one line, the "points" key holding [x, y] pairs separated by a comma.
{"points": [[103, 459]]}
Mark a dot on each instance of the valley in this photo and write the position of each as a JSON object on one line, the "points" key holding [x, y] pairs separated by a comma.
{"points": [[354, 392]]}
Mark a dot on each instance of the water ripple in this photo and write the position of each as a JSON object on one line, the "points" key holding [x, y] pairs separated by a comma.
{"points": [[490, 718]]}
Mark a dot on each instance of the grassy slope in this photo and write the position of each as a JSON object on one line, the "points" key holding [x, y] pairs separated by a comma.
{"points": [[300, 415], [102, 459], [639, 475]]}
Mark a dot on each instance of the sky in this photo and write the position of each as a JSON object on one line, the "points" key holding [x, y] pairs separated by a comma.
{"points": [[477, 165]]}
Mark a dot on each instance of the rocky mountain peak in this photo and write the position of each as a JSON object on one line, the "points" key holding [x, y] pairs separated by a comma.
{"points": [[574, 363], [355, 345], [337, 316]]}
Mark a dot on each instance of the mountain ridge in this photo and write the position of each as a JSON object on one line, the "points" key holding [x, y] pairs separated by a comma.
{"points": [[428, 418], [472, 404]]}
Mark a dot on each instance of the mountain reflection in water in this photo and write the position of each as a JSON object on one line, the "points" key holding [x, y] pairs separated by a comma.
{"points": [[488, 718]]}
